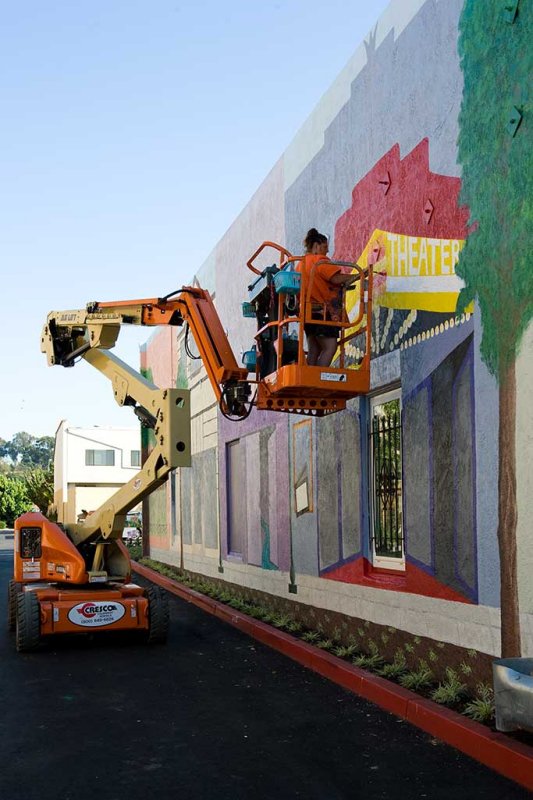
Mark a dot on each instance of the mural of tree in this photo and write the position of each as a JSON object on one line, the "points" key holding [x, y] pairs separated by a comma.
{"points": [[495, 152]]}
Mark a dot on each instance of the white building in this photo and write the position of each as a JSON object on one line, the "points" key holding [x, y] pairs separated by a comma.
{"points": [[90, 464]]}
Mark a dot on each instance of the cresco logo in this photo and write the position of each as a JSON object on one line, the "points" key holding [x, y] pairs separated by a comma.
{"points": [[89, 610], [96, 615]]}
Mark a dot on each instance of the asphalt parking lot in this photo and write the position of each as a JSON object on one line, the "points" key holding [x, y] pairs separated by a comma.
{"points": [[211, 714]]}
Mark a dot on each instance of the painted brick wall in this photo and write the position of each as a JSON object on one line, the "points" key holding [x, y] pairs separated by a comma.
{"points": [[376, 168]]}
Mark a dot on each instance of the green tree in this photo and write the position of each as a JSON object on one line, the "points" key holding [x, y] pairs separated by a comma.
{"points": [[14, 499], [28, 451], [495, 152], [40, 487]]}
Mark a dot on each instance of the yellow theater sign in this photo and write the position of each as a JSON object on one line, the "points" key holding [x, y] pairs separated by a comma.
{"points": [[414, 272]]}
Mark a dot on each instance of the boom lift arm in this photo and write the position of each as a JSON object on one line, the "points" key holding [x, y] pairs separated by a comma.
{"points": [[69, 335], [91, 332], [71, 577]]}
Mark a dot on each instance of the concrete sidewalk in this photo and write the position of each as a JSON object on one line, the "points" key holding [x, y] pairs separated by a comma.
{"points": [[211, 715]]}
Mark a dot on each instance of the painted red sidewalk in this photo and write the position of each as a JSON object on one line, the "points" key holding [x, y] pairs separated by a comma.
{"points": [[495, 750]]}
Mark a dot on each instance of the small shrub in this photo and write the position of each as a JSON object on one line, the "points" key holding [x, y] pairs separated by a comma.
{"points": [[255, 611], [417, 679], [345, 651], [325, 644], [368, 661], [450, 691], [396, 668], [294, 626], [481, 708], [409, 648], [281, 621], [311, 636], [465, 668], [372, 660], [433, 656], [392, 671]]}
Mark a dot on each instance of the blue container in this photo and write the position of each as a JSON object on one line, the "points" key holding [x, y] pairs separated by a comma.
{"points": [[286, 282], [249, 359], [248, 310]]}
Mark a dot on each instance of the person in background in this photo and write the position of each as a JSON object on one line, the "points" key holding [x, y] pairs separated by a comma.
{"points": [[327, 280]]}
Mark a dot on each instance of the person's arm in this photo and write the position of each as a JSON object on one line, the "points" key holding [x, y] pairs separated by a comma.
{"points": [[341, 278]]}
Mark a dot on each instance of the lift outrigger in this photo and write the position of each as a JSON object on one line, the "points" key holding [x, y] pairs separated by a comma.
{"points": [[76, 576]]}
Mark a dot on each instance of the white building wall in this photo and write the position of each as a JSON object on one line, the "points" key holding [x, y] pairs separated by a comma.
{"points": [[79, 486]]}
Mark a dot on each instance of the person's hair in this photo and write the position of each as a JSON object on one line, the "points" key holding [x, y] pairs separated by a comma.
{"points": [[314, 237]]}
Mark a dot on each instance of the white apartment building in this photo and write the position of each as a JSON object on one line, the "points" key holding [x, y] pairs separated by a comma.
{"points": [[90, 464]]}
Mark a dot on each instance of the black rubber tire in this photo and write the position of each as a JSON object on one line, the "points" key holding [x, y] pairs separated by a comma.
{"points": [[157, 614], [13, 590], [28, 623]]}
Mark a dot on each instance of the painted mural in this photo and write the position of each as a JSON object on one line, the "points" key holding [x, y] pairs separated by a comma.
{"points": [[254, 514], [406, 221], [288, 504]]}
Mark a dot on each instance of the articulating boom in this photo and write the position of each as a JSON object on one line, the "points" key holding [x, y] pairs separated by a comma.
{"points": [[91, 332], [71, 577], [284, 380]]}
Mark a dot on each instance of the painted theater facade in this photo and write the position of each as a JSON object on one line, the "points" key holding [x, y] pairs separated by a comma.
{"points": [[387, 511]]}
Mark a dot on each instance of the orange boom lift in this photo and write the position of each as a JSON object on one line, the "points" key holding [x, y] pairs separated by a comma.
{"points": [[75, 577]]}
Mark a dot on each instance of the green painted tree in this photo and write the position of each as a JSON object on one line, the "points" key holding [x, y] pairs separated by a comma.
{"points": [[495, 152]]}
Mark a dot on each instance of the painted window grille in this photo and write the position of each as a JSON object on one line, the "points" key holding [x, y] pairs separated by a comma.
{"points": [[386, 476], [99, 458]]}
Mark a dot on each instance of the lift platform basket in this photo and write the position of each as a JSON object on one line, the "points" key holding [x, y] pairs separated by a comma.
{"points": [[286, 282]]}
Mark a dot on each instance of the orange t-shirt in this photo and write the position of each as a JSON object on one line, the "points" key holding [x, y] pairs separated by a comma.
{"points": [[322, 290]]}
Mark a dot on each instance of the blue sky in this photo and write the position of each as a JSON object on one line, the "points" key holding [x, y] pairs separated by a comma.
{"points": [[132, 134]]}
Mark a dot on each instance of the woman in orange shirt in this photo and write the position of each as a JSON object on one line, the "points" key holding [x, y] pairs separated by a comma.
{"points": [[327, 279]]}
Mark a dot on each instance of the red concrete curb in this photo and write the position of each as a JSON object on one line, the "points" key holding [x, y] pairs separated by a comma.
{"points": [[512, 759]]}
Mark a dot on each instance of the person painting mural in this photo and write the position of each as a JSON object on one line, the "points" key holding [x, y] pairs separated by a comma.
{"points": [[327, 278]]}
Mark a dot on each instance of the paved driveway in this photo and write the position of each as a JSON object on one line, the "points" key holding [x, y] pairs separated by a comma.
{"points": [[211, 715]]}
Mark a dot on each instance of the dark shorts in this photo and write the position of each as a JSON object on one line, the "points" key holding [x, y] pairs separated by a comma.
{"points": [[329, 331]]}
